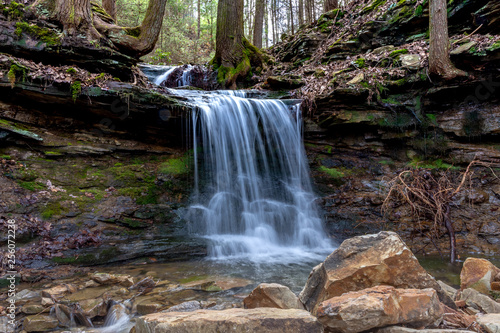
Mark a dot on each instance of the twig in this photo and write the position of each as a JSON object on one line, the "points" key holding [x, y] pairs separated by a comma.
{"points": [[464, 37]]}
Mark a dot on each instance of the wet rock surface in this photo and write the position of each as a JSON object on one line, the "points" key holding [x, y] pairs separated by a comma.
{"points": [[235, 320]]}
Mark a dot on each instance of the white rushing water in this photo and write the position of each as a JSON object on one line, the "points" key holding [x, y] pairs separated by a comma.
{"points": [[184, 79], [253, 195]]}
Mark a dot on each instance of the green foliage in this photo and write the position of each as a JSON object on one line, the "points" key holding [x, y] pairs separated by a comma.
{"points": [[161, 57], [71, 70], [76, 90], [419, 11], [495, 46]]}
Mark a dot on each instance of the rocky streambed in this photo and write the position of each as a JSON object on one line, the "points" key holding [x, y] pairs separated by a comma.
{"points": [[370, 283]]}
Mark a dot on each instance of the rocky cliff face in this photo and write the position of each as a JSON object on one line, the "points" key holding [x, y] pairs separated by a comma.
{"points": [[373, 110]]}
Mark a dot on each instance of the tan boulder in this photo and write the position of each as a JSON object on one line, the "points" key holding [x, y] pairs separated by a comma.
{"points": [[272, 295], [106, 278], [490, 323], [364, 262], [58, 291], [480, 302], [378, 307], [478, 274], [94, 307], [260, 320], [39, 323]]}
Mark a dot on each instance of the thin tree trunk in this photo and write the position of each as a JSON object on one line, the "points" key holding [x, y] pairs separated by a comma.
{"points": [[301, 12], [309, 18], [291, 16], [260, 6], [266, 18], [439, 57], [330, 5], [199, 18], [110, 8]]}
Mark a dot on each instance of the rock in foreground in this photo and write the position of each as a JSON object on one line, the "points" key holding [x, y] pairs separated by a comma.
{"points": [[364, 262], [478, 274], [261, 320], [272, 295], [378, 307]]}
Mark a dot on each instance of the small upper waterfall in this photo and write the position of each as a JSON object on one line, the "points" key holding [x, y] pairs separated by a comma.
{"points": [[253, 194]]}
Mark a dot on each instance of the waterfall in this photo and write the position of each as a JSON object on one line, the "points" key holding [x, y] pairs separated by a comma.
{"points": [[253, 197]]}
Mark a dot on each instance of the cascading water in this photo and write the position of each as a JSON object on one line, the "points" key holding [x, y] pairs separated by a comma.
{"points": [[253, 194]]}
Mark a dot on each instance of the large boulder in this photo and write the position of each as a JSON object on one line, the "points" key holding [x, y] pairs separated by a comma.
{"points": [[272, 295], [364, 262], [478, 274], [39, 323], [261, 320], [480, 302], [490, 323], [378, 307]]}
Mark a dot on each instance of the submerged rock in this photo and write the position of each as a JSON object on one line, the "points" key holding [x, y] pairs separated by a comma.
{"points": [[367, 261], [40, 323], [272, 295], [380, 306], [262, 320]]}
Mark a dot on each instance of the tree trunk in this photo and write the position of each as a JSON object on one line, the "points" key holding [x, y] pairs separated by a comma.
{"points": [[110, 7], [301, 12], [439, 56], [309, 11], [291, 17], [233, 53], [260, 6], [199, 18], [330, 5], [76, 17]]}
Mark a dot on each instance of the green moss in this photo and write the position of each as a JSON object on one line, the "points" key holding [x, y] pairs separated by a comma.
{"points": [[71, 70], [250, 55], [374, 5], [53, 208], [396, 53], [332, 172], [436, 164], [134, 224], [16, 71], [5, 157], [418, 11], [175, 166], [495, 46], [45, 35], [360, 63], [134, 32], [13, 10], [31, 186], [76, 90]]}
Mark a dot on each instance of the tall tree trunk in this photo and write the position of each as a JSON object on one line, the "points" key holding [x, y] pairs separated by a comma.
{"points": [[266, 20], [75, 16], [309, 15], [110, 7], [439, 56], [260, 6], [301, 12], [291, 16], [199, 18], [234, 55], [330, 5]]}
